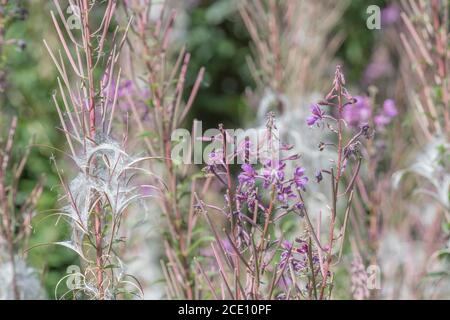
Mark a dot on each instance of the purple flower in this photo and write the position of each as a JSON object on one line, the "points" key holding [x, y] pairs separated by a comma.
{"points": [[293, 256], [390, 14], [248, 197], [389, 108], [273, 171], [381, 120], [359, 112], [303, 246], [316, 115], [284, 193], [376, 70], [319, 176], [389, 111], [286, 245], [300, 179], [215, 157], [247, 176], [125, 88]]}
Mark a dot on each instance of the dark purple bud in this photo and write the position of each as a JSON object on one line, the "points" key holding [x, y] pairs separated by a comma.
{"points": [[300, 179], [321, 146], [21, 44], [365, 131], [286, 147], [247, 176], [303, 248], [319, 176], [299, 205], [293, 157], [316, 115]]}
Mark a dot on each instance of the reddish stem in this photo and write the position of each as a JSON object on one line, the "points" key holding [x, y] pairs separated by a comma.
{"points": [[92, 133], [335, 183]]}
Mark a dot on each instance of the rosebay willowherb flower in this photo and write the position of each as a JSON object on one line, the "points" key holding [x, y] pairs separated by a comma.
{"points": [[344, 169], [265, 195], [363, 111], [106, 180]]}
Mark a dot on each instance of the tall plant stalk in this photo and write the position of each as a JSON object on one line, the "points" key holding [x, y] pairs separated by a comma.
{"points": [[98, 197], [165, 82]]}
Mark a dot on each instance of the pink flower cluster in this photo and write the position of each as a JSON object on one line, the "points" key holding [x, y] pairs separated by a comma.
{"points": [[360, 112]]}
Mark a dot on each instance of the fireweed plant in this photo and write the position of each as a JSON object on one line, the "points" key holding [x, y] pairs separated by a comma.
{"points": [[253, 256], [155, 100], [370, 185], [424, 39], [104, 186]]}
